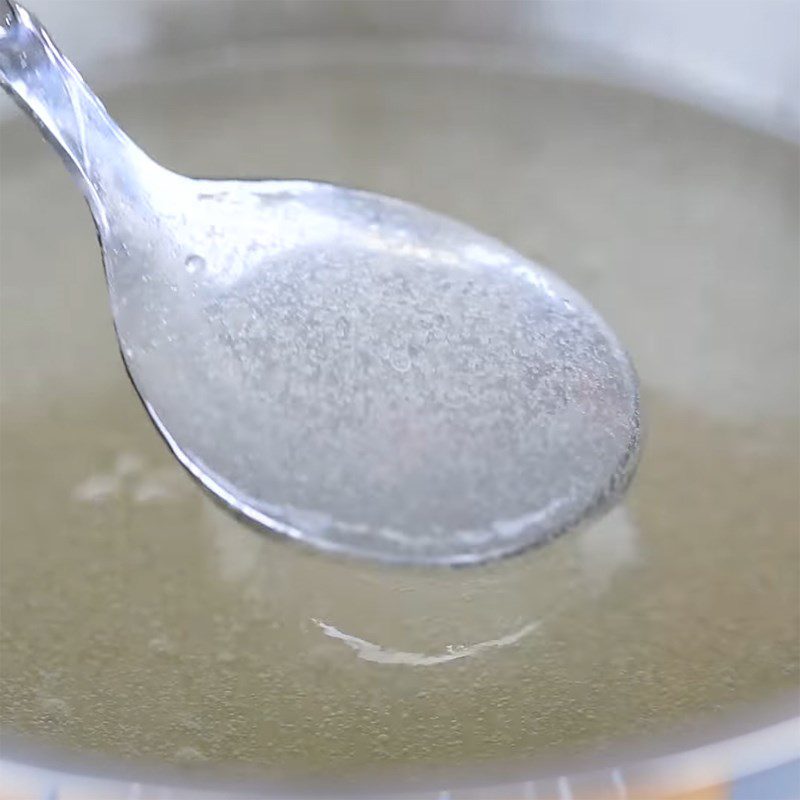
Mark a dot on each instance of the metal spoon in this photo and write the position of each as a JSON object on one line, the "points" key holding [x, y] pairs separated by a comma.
{"points": [[340, 367]]}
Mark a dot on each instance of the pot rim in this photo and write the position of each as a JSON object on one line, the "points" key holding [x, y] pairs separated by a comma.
{"points": [[750, 742]]}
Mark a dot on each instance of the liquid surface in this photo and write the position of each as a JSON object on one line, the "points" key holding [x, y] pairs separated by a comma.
{"points": [[139, 620]]}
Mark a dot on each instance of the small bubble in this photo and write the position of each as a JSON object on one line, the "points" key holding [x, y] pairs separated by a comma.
{"points": [[400, 362], [343, 327], [189, 755], [194, 263], [188, 722], [55, 708], [161, 646]]}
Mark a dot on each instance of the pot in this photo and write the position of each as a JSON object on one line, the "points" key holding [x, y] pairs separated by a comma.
{"points": [[646, 153]]}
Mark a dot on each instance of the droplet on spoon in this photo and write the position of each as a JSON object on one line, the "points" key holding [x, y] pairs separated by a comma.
{"points": [[194, 263]]}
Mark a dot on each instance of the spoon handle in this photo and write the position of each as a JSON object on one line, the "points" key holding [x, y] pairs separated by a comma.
{"points": [[48, 88]]}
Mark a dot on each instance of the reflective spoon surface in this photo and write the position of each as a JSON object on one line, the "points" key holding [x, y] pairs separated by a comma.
{"points": [[340, 367]]}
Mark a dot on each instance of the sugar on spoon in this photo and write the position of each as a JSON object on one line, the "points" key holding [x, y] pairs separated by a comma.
{"points": [[340, 367]]}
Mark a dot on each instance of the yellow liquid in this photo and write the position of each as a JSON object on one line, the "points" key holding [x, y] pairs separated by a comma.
{"points": [[140, 620]]}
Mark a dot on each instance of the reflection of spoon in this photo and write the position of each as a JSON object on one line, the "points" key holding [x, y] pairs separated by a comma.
{"points": [[368, 651], [337, 366]]}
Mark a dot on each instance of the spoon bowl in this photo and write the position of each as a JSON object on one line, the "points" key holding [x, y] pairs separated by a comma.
{"points": [[347, 369]]}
